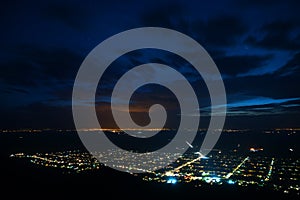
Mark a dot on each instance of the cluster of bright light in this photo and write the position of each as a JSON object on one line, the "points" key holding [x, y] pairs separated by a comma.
{"points": [[70, 160], [232, 169], [81, 161], [270, 170], [252, 149], [212, 179], [172, 180], [280, 173]]}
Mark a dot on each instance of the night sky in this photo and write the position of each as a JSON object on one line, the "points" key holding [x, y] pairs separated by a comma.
{"points": [[255, 44]]}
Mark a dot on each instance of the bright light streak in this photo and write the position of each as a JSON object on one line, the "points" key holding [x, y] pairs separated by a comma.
{"points": [[235, 169], [201, 155], [270, 170], [189, 144], [185, 164]]}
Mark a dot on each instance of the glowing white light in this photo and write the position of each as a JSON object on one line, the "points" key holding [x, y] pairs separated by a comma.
{"points": [[172, 181]]}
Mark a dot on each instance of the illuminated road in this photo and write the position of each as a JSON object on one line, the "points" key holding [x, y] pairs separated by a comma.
{"points": [[235, 169], [171, 173], [270, 171], [45, 159]]}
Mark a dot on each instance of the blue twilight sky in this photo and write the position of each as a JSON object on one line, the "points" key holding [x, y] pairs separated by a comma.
{"points": [[255, 44]]}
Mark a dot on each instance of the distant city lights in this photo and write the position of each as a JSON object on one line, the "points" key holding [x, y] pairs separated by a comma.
{"points": [[252, 149], [281, 174]]}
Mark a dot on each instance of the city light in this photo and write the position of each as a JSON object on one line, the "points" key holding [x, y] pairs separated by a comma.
{"points": [[281, 174], [172, 180]]}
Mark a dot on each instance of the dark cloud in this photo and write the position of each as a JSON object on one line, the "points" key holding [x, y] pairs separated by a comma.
{"points": [[219, 31], [32, 65], [15, 90], [264, 116], [71, 14], [234, 65], [269, 85], [167, 15], [280, 35], [37, 75], [38, 115], [263, 121], [291, 68], [143, 56], [18, 73], [266, 3], [224, 30], [283, 83]]}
